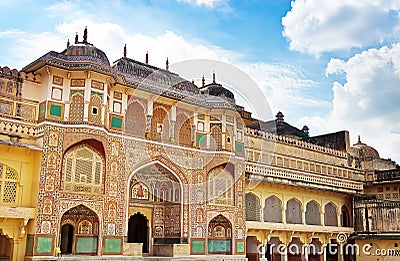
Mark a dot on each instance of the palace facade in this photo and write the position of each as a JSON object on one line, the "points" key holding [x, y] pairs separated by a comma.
{"points": [[130, 161]]}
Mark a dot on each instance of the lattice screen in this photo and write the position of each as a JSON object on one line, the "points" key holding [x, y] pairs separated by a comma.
{"points": [[83, 166], [8, 184]]}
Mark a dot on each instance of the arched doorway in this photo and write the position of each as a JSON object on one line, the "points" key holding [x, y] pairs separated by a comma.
{"points": [[345, 217], [220, 236], [79, 231], [331, 253], [294, 250], [157, 192], [272, 252], [252, 248], [314, 250], [67, 237], [5, 247], [138, 231]]}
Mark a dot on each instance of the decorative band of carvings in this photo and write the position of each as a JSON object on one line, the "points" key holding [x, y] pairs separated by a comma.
{"points": [[271, 171]]}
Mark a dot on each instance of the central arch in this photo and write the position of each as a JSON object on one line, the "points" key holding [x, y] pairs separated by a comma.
{"points": [[156, 191]]}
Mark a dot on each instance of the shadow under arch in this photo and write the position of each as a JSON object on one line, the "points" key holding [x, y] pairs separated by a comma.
{"points": [[138, 230]]}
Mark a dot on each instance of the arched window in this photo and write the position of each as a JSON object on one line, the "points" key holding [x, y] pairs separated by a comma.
{"points": [[183, 130], [345, 217], [85, 227], [330, 215], [76, 108], [273, 210], [220, 186], [160, 124], [313, 215], [8, 185], [135, 120], [293, 212], [216, 136], [252, 207], [95, 107], [83, 170]]}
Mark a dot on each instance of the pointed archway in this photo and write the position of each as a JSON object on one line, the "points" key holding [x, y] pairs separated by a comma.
{"points": [[138, 231], [157, 191], [79, 231], [6, 247], [220, 236]]}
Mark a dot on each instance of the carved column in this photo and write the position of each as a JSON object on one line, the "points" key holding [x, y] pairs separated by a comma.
{"points": [[322, 217], [172, 130]]}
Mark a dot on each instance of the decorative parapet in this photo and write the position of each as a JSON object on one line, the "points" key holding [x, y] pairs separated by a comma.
{"points": [[301, 178], [19, 109], [295, 142], [19, 129], [387, 175]]}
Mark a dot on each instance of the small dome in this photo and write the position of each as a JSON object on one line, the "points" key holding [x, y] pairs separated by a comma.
{"points": [[88, 50], [367, 152], [217, 89]]}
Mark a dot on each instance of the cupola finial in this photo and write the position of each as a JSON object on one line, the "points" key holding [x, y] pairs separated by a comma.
{"points": [[85, 35], [147, 57], [213, 77], [359, 138], [167, 64], [76, 38], [68, 43], [203, 81], [125, 50]]}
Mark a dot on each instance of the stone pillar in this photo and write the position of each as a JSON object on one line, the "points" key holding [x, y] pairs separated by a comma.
{"points": [[284, 214], [303, 215], [172, 131], [194, 135], [262, 250], [104, 104], [15, 247], [87, 95], [149, 115], [86, 109], [66, 97], [322, 218], [340, 252]]}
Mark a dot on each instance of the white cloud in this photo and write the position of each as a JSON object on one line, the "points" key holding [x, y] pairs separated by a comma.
{"points": [[314, 26], [285, 86], [206, 3], [368, 102]]}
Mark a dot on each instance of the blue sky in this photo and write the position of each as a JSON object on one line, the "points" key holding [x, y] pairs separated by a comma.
{"points": [[332, 65]]}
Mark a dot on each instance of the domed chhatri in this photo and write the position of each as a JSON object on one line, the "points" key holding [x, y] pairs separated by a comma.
{"points": [[86, 49], [368, 152]]}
